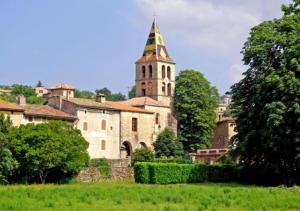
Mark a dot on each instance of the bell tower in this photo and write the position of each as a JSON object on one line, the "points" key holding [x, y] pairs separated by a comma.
{"points": [[155, 70]]}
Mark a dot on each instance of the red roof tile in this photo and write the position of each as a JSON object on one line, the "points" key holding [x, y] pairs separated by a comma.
{"points": [[6, 106]]}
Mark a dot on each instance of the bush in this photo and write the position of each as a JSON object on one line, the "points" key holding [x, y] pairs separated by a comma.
{"points": [[169, 173], [141, 172], [223, 173], [178, 160], [102, 165], [142, 155]]}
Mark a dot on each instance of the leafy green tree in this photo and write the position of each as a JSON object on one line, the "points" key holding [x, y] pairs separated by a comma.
{"points": [[142, 155], [266, 102], [131, 93], [111, 96], [35, 100], [53, 148], [168, 145], [195, 104], [84, 94], [7, 163], [18, 89]]}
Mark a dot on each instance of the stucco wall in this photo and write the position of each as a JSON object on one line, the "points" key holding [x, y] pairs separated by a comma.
{"points": [[16, 117]]}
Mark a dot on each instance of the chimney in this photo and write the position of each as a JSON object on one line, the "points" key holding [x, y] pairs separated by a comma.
{"points": [[21, 100], [100, 98]]}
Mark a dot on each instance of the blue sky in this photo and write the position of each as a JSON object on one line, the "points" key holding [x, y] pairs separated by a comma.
{"points": [[93, 43]]}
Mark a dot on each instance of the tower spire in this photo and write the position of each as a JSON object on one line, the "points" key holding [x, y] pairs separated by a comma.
{"points": [[155, 48]]}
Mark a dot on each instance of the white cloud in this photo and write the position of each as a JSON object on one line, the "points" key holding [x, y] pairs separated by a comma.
{"points": [[235, 73]]}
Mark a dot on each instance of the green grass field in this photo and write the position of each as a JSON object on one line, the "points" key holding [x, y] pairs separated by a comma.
{"points": [[130, 196]]}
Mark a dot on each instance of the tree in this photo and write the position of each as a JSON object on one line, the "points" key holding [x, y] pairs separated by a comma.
{"points": [[84, 94], [18, 89], [131, 92], [7, 163], [266, 102], [142, 155], [39, 84], [167, 144], [195, 104], [111, 96], [53, 149]]}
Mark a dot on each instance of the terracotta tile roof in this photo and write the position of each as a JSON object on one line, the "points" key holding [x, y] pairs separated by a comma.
{"points": [[6, 106], [89, 103], [226, 119], [63, 86], [123, 107], [143, 101], [47, 112]]}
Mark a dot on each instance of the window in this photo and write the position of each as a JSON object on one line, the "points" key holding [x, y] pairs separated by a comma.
{"points": [[163, 89], [134, 124], [169, 90], [144, 71], [30, 119], [85, 126], [143, 92], [169, 120], [169, 72], [163, 71], [103, 124], [150, 71], [103, 147], [41, 91], [157, 118]]}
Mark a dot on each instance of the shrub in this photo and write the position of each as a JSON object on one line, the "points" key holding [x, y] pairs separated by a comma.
{"points": [[141, 172], [142, 155], [102, 165], [199, 173], [167, 144], [223, 173], [178, 160]]}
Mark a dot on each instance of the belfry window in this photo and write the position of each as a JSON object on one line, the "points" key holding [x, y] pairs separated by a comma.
{"points": [[169, 72], [169, 90], [163, 89], [163, 71], [150, 71], [144, 71]]}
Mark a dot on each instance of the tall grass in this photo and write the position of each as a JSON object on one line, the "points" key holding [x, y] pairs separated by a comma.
{"points": [[130, 196]]}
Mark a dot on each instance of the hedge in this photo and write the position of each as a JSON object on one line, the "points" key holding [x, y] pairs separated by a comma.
{"points": [[171, 173]]}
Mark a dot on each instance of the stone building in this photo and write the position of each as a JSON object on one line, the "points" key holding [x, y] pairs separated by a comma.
{"points": [[12, 110]]}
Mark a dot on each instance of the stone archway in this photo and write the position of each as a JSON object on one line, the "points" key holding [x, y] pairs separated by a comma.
{"points": [[142, 145], [126, 150]]}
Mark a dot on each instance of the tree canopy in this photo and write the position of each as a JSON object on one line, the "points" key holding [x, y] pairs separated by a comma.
{"points": [[266, 102], [48, 150], [111, 96], [195, 104], [167, 144]]}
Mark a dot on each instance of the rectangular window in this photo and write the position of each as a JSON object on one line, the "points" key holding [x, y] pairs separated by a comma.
{"points": [[103, 147], [103, 124], [134, 124], [85, 126]]}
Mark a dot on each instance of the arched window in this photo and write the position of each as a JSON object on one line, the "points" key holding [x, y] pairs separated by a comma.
{"points": [[163, 71], [143, 89], [103, 124], [163, 89], [169, 90], [85, 126], [144, 71], [150, 71], [169, 72], [149, 88], [103, 145], [157, 118]]}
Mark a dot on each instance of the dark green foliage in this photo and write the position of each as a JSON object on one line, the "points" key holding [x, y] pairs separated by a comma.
{"points": [[223, 173], [266, 102], [172, 160], [142, 155], [131, 92], [39, 84], [195, 104], [141, 172], [167, 144], [103, 166], [170, 173], [47, 150], [111, 96], [83, 94]]}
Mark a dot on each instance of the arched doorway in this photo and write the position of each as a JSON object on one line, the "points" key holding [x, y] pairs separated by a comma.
{"points": [[126, 150], [143, 145]]}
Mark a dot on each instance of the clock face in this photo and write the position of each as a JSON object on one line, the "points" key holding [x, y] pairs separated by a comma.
{"points": [[166, 80]]}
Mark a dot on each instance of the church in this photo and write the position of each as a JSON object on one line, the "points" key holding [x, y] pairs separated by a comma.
{"points": [[115, 129]]}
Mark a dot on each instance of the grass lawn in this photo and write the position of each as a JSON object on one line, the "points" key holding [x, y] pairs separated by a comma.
{"points": [[129, 196]]}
